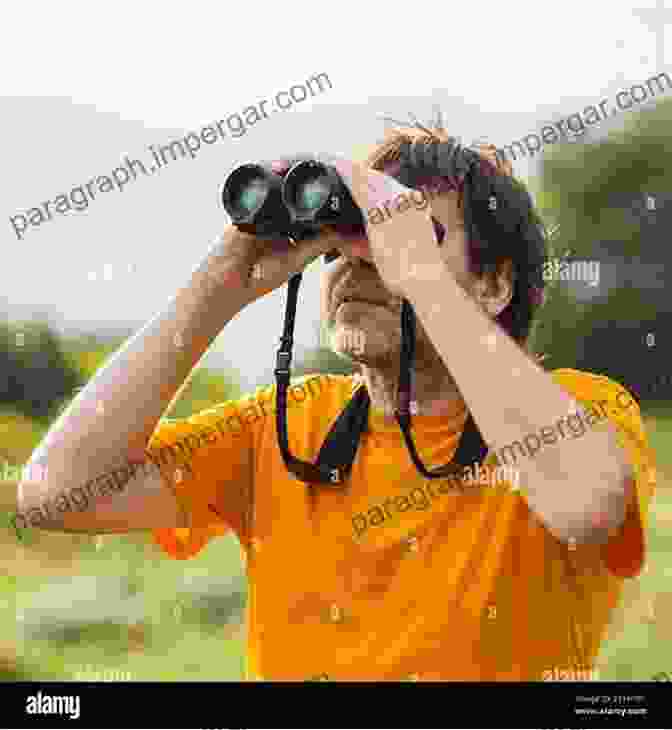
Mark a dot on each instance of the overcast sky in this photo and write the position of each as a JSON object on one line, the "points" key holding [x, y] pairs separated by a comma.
{"points": [[84, 84]]}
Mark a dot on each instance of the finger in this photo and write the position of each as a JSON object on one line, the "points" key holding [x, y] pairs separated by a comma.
{"points": [[283, 164], [369, 188], [372, 189], [280, 167], [352, 243], [282, 258]]}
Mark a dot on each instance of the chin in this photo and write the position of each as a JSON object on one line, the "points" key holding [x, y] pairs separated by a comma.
{"points": [[368, 319], [365, 341]]}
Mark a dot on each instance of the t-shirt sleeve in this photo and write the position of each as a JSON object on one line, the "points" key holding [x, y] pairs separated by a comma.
{"points": [[624, 552], [208, 460]]}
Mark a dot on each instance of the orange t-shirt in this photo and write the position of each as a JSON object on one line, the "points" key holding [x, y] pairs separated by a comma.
{"points": [[392, 576]]}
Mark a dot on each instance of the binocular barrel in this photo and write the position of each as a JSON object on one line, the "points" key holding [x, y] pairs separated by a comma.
{"points": [[309, 196]]}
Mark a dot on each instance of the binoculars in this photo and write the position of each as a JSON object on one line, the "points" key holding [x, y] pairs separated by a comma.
{"points": [[309, 196]]}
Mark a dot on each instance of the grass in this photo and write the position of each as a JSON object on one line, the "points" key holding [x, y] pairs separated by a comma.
{"points": [[171, 643], [641, 645], [175, 642]]}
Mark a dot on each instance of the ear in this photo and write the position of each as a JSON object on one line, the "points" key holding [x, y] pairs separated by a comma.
{"points": [[494, 290]]}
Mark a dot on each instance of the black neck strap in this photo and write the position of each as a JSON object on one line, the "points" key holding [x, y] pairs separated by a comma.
{"points": [[338, 452]]}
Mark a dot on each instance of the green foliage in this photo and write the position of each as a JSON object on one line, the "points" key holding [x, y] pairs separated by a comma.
{"points": [[591, 191], [35, 373], [203, 390], [583, 181], [184, 634], [323, 360], [19, 435]]}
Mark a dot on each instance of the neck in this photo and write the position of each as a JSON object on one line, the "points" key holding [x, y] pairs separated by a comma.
{"points": [[433, 390]]}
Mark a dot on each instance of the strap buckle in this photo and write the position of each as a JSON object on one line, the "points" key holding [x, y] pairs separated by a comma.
{"points": [[282, 363]]}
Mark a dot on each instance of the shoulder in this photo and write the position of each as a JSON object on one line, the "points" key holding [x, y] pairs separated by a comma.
{"points": [[605, 395], [608, 399], [586, 386]]}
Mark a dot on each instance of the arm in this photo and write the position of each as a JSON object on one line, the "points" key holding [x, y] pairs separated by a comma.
{"points": [[568, 485], [110, 422], [579, 488], [108, 426]]}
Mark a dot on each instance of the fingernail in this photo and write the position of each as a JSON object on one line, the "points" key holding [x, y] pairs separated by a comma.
{"points": [[344, 168]]}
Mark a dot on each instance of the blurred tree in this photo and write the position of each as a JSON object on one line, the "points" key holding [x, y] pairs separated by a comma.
{"points": [[35, 373], [204, 389], [18, 436], [609, 199], [323, 360]]}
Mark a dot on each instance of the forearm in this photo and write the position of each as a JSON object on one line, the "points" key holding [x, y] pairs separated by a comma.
{"points": [[110, 421], [510, 396]]}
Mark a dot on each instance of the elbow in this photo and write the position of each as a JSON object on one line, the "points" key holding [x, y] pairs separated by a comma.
{"points": [[31, 488], [595, 522], [25, 501]]}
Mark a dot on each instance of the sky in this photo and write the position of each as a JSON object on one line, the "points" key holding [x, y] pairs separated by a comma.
{"points": [[84, 84]]}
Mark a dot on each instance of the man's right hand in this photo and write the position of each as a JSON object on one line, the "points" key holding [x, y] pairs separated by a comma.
{"points": [[110, 422]]}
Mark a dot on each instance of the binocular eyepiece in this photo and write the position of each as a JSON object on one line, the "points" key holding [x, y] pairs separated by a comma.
{"points": [[308, 197]]}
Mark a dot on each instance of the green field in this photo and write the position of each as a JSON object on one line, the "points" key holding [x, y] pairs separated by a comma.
{"points": [[184, 636]]}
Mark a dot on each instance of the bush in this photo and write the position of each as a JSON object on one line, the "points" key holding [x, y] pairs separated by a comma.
{"points": [[35, 373]]}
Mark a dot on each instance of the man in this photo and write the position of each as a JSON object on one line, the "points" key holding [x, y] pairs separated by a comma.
{"points": [[390, 576]]}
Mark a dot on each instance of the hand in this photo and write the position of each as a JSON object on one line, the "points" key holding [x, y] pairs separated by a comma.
{"points": [[403, 245]]}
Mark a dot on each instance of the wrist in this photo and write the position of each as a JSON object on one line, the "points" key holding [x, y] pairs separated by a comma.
{"points": [[429, 284], [223, 276]]}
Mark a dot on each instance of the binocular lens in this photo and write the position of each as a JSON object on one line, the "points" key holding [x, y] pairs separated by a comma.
{"points": [[251, 196], [307, 187], [247, 190], [311, 194]]}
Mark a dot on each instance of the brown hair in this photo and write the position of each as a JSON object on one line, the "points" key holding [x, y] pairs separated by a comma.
{"points": [[514, 231]]}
